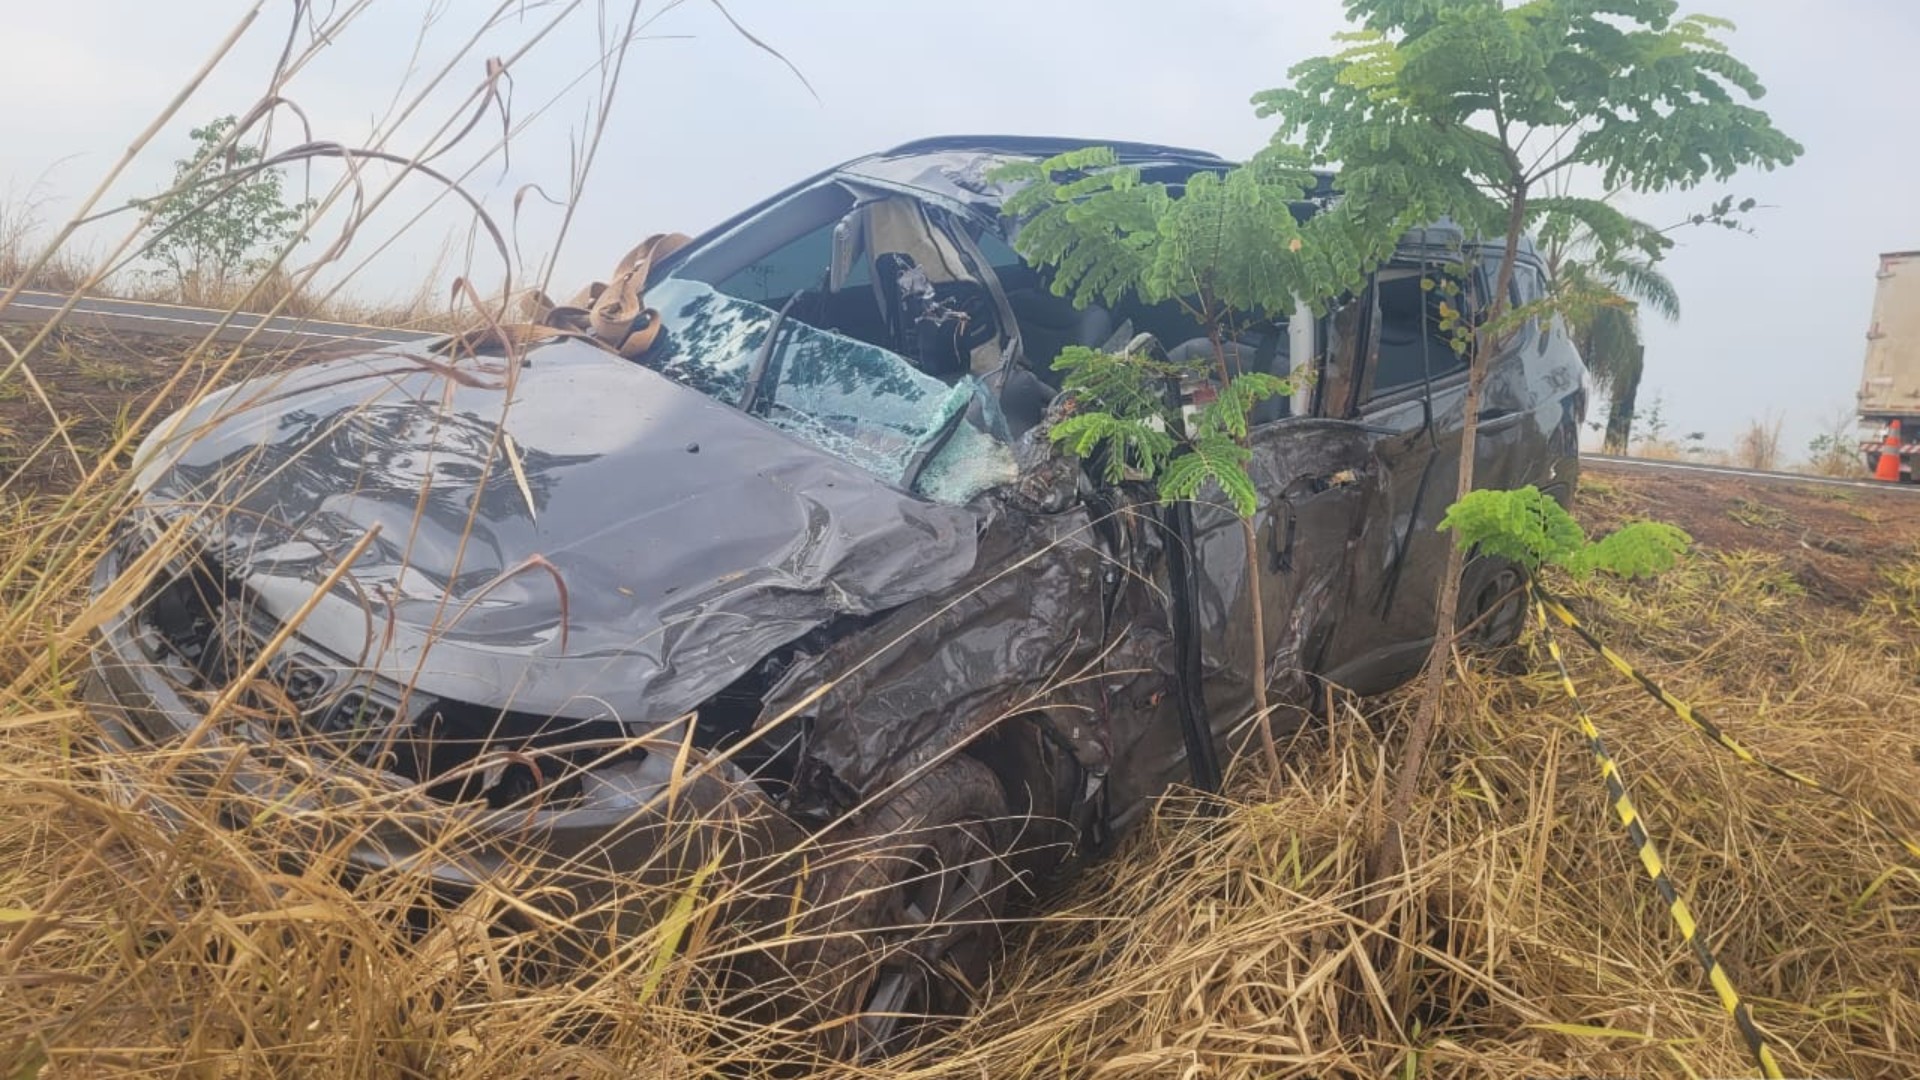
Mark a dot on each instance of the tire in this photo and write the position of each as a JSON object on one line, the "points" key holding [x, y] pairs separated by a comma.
{"points": [[1493, 606], [899, 921]]}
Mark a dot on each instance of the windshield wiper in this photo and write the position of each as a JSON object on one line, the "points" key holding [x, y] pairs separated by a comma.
{"points": [[763, 359]]}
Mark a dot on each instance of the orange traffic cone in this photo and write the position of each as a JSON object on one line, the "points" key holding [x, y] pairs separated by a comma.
{"points": [[1888, 467]]}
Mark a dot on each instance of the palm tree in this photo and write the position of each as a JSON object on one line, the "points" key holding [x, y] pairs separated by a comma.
{"points": [[1602, 285]]}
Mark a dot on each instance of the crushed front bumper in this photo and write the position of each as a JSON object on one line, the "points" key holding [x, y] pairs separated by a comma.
{"points": [[595, 863]]}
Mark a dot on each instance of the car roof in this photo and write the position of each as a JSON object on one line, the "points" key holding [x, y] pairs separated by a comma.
{"points": [[955, 167]]}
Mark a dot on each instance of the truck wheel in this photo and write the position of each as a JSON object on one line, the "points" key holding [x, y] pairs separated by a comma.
{"points": [[900, 922]]}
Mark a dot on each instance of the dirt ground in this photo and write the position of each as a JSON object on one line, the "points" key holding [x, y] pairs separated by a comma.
{"points": [[98, 385], [1838, 542]]}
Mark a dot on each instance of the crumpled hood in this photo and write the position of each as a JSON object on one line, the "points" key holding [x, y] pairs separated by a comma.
{"points": [[660, 544]]}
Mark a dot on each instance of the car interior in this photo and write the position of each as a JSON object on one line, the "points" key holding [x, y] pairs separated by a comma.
{"points": [[897, 274], [1413, 346]]}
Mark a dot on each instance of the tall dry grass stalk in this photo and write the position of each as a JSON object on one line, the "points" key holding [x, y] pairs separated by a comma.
{"points": [[1758, 447]]}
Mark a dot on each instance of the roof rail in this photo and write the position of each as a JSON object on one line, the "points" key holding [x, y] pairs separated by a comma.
{"points": [[1048, 146]]}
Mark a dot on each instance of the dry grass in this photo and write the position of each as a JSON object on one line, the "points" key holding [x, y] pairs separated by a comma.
{"points": [[22, 232], [1758, 447], [1209, 947], [1835, 450], [1657, 450], [427, 309]]}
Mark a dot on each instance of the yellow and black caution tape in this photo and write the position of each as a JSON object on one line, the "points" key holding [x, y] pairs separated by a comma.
{"points": [[1706, 727], [1650, 858]]}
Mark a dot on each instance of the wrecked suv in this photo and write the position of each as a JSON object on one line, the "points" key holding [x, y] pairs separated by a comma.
{"points": [[805, 561]]}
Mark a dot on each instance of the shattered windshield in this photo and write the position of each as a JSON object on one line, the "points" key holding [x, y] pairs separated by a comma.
{"points": [[856, 401]]}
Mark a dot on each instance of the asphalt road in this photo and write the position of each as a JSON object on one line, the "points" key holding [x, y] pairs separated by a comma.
{"points": [[173, 320], [1609, 461]]}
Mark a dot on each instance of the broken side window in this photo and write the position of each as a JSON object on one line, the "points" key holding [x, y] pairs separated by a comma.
{"points": [[1412, 347]]}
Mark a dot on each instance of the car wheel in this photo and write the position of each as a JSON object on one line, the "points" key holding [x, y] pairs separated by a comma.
{"points": [[901, 923], [1495, 610]]}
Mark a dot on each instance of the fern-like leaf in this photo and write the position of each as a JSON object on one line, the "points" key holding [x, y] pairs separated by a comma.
{"points": [[1532, 529], [1125, 443], [1216, 458], [1227, 413], [1525, 526], [1641, 549]]}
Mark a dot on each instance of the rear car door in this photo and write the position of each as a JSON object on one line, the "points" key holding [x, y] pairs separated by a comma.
{"points": [[1409, 392]]}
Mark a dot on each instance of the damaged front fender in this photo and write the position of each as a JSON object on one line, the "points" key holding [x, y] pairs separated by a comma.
{"points": [[1023, 635]]}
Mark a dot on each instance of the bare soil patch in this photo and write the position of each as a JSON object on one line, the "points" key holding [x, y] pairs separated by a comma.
{"points": [[1838, 543], [98, 385]]}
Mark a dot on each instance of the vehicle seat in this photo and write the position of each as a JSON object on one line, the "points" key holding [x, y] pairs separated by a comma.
{"points": [[936, 327], [938, 313], [1049, 324]]}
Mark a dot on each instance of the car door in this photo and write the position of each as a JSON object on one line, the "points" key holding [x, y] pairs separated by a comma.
{"points": [[1411, 391], [1319, 483], [1348, 554], [1408, 392]]}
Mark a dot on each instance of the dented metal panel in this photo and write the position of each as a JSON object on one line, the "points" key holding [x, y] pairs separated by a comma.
{"points": [[878, 567], [691, 540]]}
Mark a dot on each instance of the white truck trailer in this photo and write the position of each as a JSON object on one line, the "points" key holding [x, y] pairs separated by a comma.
{"points": [[1890, 380]]}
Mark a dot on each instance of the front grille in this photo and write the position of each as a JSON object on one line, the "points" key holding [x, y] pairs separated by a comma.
{"points": [[208, 629], [205, 628]]}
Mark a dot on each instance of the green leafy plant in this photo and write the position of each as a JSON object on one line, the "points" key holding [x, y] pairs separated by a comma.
{"points": [[1120, 410], [1219, 453], [1654, 425], [1120, 419], [1835, 451], [1478, 111], [1532, 529], [1226, 245], [1230, 250], [223, 218]]}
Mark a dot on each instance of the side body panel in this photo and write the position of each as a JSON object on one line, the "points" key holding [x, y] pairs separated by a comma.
{"points": [[1320, 487], [1890, 377]]}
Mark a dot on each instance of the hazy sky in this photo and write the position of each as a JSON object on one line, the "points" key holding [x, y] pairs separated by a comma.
{"points": [[704, 123]]}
